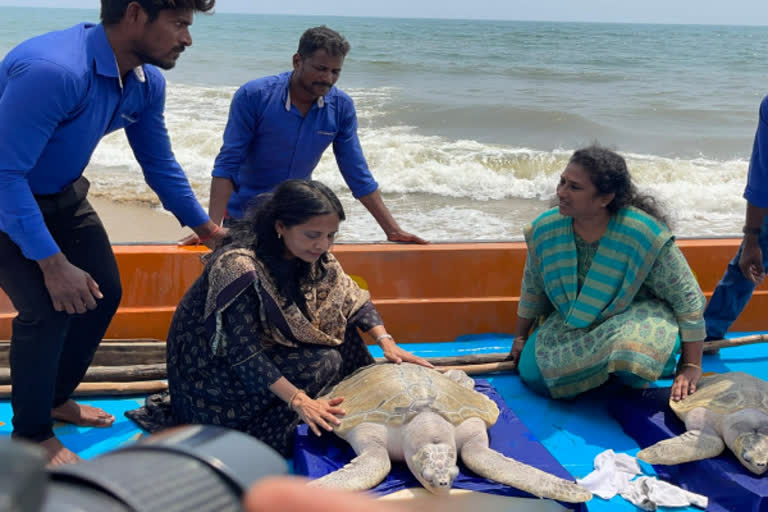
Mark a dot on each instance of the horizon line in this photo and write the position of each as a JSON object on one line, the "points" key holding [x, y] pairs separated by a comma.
{"points": [[480, 19]]}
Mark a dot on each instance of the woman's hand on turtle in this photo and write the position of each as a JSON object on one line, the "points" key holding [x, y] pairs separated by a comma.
{"points": [[685, 382], [318, 413], [397, 355]]}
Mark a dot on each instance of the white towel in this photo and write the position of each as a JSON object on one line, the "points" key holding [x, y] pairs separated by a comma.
{"points": [[613, 475], [649, 493]]}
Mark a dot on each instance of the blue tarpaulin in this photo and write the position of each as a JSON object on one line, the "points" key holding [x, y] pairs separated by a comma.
{"points": [[646, 417], [317, 456]]}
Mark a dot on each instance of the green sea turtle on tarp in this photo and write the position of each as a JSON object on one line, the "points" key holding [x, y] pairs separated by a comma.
{"points": [[412, 413], [730, 409]]}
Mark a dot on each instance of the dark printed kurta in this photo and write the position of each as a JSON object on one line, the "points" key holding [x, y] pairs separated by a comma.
{"points": [[230, 387]]}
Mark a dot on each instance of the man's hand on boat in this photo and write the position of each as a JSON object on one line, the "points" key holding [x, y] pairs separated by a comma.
{"points": [[751, 260], [71, 289], [206, 235], [401, 236]]}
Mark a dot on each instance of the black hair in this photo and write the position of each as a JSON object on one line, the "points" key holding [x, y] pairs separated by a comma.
{"points": [[608, 172], [322, 38], [112, 11], [293, 202]]}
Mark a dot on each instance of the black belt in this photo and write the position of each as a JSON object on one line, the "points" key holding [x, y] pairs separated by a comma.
{"points": [[70, 196]]}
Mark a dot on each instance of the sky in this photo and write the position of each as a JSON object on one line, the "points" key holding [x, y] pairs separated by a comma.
{"points": [[726, 12]]}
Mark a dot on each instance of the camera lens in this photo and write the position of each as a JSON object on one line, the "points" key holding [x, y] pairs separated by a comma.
{"points": [[22, 476], [192, 468]]}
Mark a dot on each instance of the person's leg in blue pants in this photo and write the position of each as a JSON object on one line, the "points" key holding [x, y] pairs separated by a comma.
{"points": [[732, 293]]}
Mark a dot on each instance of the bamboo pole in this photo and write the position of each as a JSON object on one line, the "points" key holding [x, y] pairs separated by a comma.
{"points": [[477, 369], [114, 352], [128, 373], [736, 342], [107, 388], [461, 360], [146, 359]]}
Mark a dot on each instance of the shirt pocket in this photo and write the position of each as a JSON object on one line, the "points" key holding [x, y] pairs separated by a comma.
{"points": [[123, 120], [321, 139]]}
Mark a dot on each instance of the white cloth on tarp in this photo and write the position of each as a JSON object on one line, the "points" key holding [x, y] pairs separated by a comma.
{"points": [[614, 475], [650, 493]]}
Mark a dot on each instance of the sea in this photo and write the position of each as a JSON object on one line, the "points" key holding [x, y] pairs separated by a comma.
{"points": [[466, 125]]}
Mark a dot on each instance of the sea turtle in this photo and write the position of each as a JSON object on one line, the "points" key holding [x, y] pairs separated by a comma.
{"points": [[729, 409], [412, 413]]}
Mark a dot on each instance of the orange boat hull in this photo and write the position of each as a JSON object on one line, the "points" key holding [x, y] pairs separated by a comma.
{"points": [[424, 293]]}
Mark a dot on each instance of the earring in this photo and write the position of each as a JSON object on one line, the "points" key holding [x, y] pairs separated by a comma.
{"points": [[279, 236]]}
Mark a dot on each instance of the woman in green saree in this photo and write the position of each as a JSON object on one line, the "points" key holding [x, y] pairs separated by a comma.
{"points": [[614, 295]]}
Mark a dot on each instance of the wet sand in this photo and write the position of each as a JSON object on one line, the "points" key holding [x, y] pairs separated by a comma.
{"points": [[135, 222]]}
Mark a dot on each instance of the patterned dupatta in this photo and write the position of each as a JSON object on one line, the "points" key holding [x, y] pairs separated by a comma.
{"points": [[625, 255], [330, 302]]}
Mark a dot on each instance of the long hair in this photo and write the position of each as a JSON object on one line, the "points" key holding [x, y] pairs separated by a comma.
{"points": [[609, 174], [293, 202], [112, 11]]}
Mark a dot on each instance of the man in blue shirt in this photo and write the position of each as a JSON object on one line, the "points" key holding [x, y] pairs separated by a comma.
{"points": [[279, 126], [747, 269], [60, 93]]}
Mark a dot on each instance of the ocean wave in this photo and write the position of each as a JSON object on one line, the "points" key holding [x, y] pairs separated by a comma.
{"points": [[437, 180]]}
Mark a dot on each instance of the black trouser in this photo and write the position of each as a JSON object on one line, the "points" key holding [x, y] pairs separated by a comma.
{"points": [[51, 350]]}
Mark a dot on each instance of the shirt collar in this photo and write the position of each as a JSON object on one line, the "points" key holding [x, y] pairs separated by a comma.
{"points": [[320, 100], [106, 62]]}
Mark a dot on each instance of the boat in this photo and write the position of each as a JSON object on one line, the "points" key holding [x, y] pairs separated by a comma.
{"points": [[438, 299], [425, 293]]}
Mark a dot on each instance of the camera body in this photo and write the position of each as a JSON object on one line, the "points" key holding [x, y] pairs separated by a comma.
{"points": [[196, 467]]}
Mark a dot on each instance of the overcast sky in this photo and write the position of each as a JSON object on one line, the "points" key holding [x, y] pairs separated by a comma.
{"points": [[732, 12]]}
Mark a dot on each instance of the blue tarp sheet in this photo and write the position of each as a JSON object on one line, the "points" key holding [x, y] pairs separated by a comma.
{"points": [[645, 415], [317, 456]]}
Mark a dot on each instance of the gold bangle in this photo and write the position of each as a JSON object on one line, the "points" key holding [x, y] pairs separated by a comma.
{"points": [[693, 365], [290, 400]]}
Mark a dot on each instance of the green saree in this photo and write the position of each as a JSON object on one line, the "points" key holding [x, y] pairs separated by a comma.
{"points": [[618, 306]]}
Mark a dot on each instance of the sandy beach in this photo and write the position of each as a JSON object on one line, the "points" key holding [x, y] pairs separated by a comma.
{"points": [[130, 222]]}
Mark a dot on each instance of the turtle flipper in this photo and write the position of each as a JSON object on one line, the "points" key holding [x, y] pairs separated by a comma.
{"points": [[495, 466], [363, 472], [688, 446]]}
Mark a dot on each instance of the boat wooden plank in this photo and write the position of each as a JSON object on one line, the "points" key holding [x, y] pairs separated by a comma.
{"points": [[435, 292]]}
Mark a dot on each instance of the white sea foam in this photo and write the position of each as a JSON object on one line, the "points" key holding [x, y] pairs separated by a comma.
{"points": [[437, 187]]}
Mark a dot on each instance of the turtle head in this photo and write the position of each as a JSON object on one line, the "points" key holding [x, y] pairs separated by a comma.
{"points": [[434, 465], [751, 449]]}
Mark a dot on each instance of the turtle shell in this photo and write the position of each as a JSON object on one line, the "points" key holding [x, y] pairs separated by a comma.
{"points": [[724, 394], [392, 394]]}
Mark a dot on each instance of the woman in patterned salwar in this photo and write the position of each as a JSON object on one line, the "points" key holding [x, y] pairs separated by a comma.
{"points": [[614, 295], [270, 324]]}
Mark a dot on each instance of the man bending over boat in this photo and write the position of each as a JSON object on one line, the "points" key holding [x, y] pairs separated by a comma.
{"points": [[615, 293], [60, 93], [271, 323], [279, 126], [747, 269]]}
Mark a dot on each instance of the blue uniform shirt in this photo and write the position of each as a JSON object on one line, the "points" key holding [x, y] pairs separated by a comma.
{"points": [[60, 93], [756, 191], [267, 141]]}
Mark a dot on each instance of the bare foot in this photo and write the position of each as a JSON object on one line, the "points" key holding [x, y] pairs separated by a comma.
{"points": [[82, 415], [58, 454]]}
